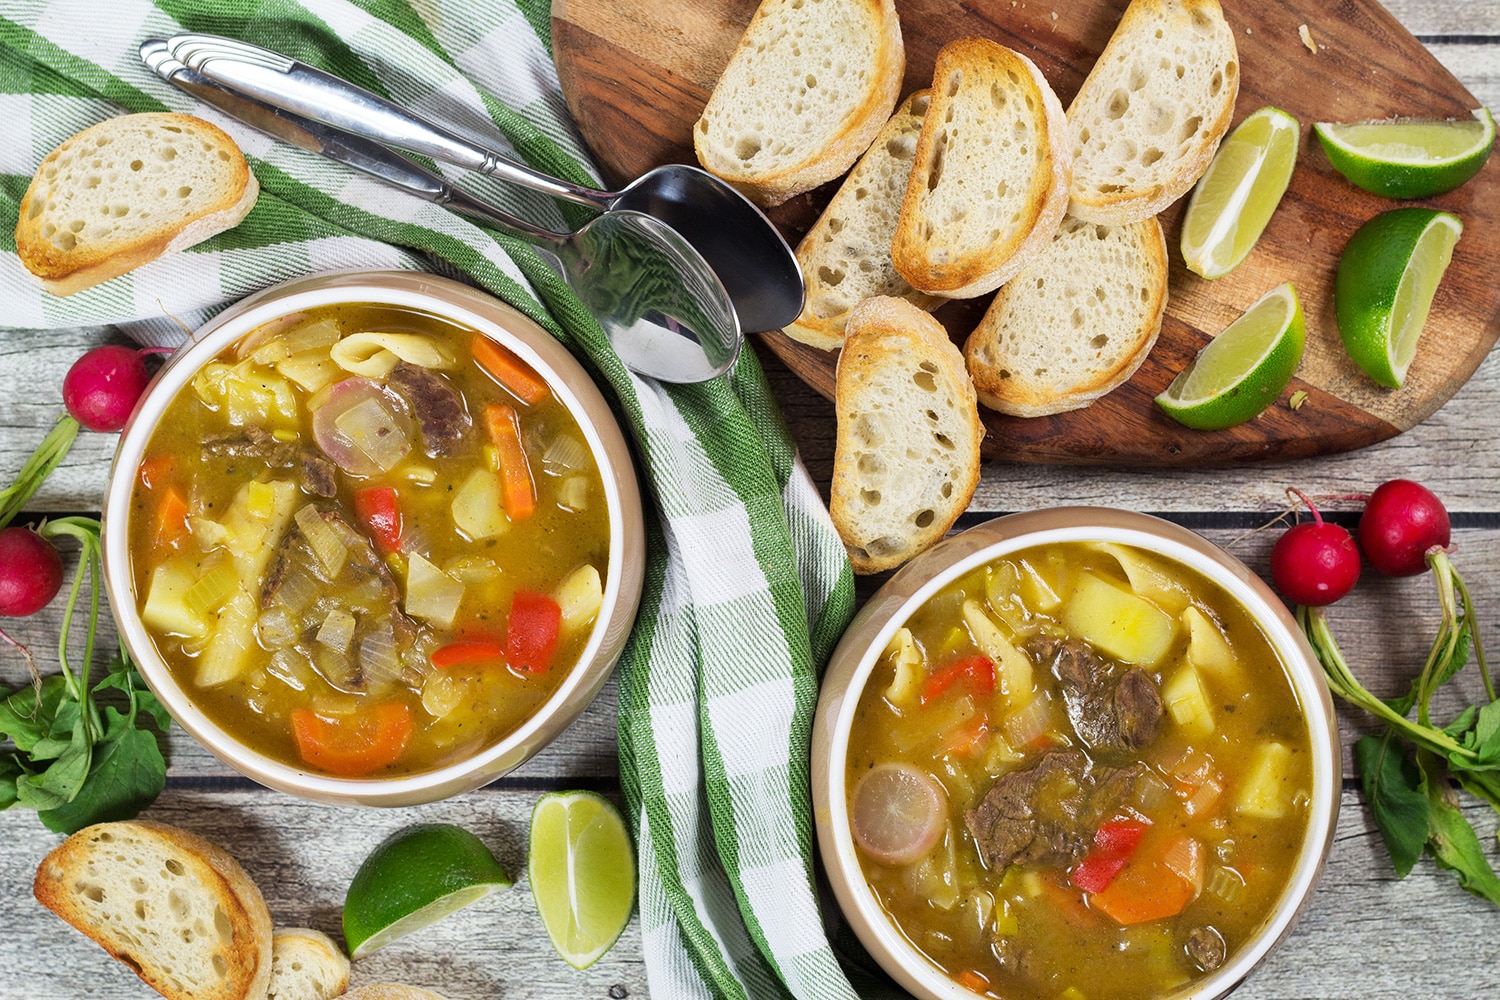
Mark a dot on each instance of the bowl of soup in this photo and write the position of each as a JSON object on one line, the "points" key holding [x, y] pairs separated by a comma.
{"points": [[1075, 753], [373, 538]]}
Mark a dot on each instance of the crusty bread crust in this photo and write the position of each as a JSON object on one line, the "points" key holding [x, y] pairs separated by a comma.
{"points": [[849, 129], [1099, 192], [846, 255], [944, 245], [907, 457], [306, 965], [95, 860], [64, 270], [1129, 279]]}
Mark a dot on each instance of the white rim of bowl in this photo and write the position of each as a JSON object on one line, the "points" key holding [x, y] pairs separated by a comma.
{"points": [[176, 376], [1327, 787]]}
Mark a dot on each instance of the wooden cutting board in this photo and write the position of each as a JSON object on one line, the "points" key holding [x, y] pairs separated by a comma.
{"points": [[636, 74]]}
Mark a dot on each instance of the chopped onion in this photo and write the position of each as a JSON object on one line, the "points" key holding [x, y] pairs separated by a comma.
{"points": [[323, 333], [573, 493], [372, 429], [472, 569], [441, 693], [378, 658], [1030, 724], [276, 629], [297, 590], [565, 454], [337, 631], [336, 668], [289, 667], [375, 354], [414, 539], [432, 594], [323, 540]]}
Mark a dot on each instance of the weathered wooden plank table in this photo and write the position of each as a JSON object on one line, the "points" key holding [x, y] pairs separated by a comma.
{"points": [[1366, 934]]}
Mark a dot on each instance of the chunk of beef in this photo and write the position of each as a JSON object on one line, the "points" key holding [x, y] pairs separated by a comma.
{"points": [[440, 410], [318, 475], [1111, 708], [1048, 813], [1205, 946]]}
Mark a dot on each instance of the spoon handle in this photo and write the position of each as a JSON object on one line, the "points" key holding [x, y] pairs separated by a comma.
{"points": [[322, 97]]}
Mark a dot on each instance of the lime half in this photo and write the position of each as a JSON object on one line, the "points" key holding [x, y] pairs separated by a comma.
{"points": [[1235, 197], [417, 877], [1386, 280], [582, 873], [1409, 157], [1242, 370]]}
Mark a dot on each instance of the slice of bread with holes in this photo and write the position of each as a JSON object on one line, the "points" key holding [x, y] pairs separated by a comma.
{"points": [[175, 908], [1149, 117], [306, 965], [1075, 323], [907, 457], [989, 182], [803, 96], [127, 191], [846, 255]]}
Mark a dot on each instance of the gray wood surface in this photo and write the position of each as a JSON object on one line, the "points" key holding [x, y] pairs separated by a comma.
{"points": [[1366, 934]]}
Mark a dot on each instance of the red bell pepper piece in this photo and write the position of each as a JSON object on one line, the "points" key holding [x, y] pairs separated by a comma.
{"points": [[978, 671], [1114, 843], [379, 512], [466, 651], [531, 631]]}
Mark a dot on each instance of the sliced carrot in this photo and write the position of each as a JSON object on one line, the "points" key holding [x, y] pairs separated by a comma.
{"points": [[1144, 891], [156, 470], [972, 981], [356, 746], [171, 517], [466, 651], [517, 489], [509, 370]]}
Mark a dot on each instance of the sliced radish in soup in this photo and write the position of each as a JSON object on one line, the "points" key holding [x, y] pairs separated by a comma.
{"points": [[362, 426], [898, 813]]}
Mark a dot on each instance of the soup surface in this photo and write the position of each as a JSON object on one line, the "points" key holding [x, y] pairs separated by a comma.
{"points": [[1079, 772], [367, 541]]}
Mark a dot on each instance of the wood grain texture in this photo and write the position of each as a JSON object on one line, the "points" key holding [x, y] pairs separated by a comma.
{"points": [[636, 75]]}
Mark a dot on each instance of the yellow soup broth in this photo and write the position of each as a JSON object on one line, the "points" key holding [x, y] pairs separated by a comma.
{"points": [[1094, 835], [329, 540]]}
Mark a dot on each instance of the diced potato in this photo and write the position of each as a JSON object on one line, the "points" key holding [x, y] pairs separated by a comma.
{"points": [[904, 655], [1188, 703], [1014, 684], [253, 395], [1266, 791], [580, 597], [166, 608], [227, 652], [1117, 622], [1035, 590], [1148, 576], [431, 594], [251, 537], [311, 370], [1208, 650], [476, 508]]}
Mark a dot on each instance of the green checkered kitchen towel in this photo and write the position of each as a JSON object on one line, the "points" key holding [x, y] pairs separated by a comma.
{"points": [[747, 584]]}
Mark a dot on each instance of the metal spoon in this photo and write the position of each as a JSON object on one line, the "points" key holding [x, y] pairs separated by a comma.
{"points": [[755, 264], [659, 303]]}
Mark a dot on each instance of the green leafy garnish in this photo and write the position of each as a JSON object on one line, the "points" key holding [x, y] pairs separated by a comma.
{"points": [[1408, 772]]}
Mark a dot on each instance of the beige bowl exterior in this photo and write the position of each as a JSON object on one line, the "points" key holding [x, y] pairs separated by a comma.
{"points": [[862, 644], [568, 380]]}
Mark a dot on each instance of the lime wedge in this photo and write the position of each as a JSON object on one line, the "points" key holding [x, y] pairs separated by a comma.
{"points": [[1409, 157], [416, 877], [1242, 370], [1386, 279], [1235, 197], [582, 873]]}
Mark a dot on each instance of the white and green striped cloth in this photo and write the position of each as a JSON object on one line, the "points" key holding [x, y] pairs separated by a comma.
{"points": [[747, 584]]}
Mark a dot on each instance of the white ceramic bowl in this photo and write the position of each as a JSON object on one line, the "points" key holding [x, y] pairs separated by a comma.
{"points": [[867, 637], [566, 378]]}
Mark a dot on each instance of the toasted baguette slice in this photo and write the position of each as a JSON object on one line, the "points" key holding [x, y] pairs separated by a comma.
{"points": [[127, 191], [306, 965], [1075, 323], [846, 255], [175, 908], [391, 991], [804, 94], [1149, 118], [907, 457], [990, 180]]}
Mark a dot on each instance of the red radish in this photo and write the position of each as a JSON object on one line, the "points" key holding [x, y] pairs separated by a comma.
{"points": [[31, 572], [1402, 522], [102, 387], [898, 813], [1314, 563]]}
